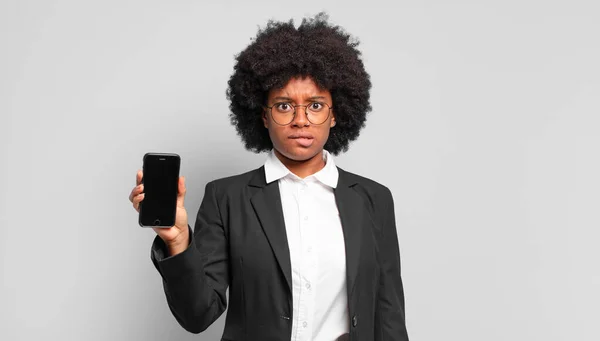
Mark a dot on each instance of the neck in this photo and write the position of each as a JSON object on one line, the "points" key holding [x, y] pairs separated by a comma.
{"points": [[303, 168]]}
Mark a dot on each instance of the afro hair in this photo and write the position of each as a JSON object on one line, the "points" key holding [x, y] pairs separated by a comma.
{"points": [[280, 52]]}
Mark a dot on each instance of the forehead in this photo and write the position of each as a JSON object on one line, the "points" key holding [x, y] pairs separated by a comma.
{"points": [[299, 86]]}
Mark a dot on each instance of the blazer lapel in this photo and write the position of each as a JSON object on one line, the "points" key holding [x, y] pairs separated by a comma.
{"points": [[350, 205], [267, 205]]}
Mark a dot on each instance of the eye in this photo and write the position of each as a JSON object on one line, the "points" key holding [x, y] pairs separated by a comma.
{"points": [[283, 107], [316, 106]]}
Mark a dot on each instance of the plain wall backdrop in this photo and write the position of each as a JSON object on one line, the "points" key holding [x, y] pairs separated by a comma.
{"points": [[485, 126]]}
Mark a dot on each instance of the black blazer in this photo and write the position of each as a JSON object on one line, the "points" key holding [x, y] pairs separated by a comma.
{"points": [[239, 241]]}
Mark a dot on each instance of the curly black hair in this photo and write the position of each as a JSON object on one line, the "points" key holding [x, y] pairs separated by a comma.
{"points": [[316, 49]]}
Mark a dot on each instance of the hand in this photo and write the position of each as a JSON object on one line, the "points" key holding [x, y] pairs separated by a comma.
{"points": [[176, 237]]}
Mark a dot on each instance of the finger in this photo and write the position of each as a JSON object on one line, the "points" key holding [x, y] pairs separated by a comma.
{"points": [[138, 177], [181, 191], [137, 200], [135, 191], [158, 230]]}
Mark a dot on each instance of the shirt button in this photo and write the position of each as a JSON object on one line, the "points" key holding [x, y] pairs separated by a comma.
{"points": [[304, 324], [308, 286], [305, 217]]}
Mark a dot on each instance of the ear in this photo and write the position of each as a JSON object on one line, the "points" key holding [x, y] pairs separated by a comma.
{"points": [[332, 122]]}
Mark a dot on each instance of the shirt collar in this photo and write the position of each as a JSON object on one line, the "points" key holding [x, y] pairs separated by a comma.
{"points": [[275, 170]]}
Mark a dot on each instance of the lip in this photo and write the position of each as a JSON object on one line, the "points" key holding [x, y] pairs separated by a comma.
{"points": [[303, 139], [301, 136]]}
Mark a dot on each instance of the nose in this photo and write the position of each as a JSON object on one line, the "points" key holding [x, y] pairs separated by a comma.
{"points": [[301, 118]]}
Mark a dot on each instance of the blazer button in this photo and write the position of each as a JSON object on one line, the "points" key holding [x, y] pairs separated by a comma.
{"points": [[354, 321]]}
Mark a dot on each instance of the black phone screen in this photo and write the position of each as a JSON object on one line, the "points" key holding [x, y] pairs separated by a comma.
{"points": [[160, 179]]}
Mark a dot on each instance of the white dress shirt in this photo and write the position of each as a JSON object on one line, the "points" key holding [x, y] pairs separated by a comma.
{"points": [[317, 250]]}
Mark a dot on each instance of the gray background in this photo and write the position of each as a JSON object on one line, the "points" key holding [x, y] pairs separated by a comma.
{"points": [[485, 127]]}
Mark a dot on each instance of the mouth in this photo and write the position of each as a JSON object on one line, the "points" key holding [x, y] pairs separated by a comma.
{"points": [[305, 140], [301, 136]]}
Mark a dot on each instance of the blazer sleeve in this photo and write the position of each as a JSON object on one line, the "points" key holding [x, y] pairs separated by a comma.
{"points": [[195, 281], [389, 314]]}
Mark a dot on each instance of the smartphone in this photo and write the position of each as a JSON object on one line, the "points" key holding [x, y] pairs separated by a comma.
{"points": [[160, 179]]}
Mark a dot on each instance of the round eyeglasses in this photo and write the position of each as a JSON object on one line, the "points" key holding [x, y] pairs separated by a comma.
{"points": [[283, 113]]}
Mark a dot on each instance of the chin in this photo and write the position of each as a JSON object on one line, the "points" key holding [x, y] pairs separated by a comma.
{"points": [[300, 154]]}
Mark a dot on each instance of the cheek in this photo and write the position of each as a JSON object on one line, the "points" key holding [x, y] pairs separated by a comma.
{"points": [[324, 134], [277, 134]]}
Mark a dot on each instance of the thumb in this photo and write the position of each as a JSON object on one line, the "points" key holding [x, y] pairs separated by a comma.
{"points": [[181, 191]]}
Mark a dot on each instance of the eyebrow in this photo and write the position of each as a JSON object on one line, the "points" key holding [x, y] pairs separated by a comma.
{"points": [[282, 98]]}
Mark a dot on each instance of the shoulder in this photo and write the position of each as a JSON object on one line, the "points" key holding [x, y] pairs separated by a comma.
{"points": [[234, 182], [372, 190]]}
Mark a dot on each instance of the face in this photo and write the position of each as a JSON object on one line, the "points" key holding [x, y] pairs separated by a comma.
{"points": [[300, 140]]}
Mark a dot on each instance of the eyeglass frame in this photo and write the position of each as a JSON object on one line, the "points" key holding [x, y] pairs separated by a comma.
{"points": [[295, 111]]}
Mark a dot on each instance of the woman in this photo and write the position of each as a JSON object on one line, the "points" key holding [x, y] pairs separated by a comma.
{"points": [[308, 251]]}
